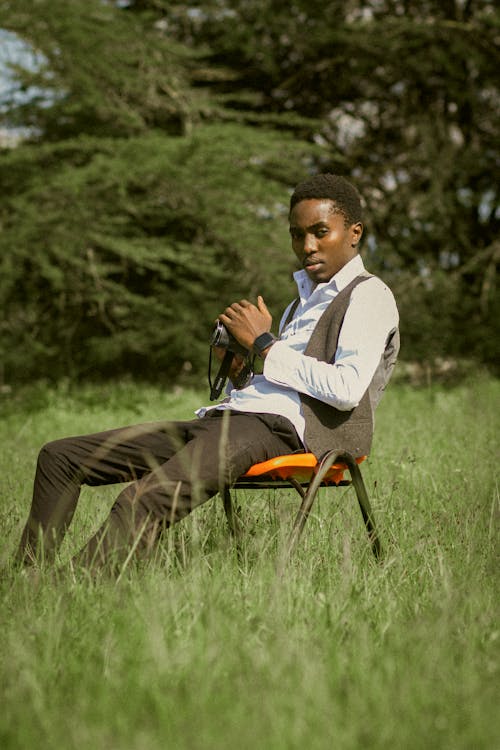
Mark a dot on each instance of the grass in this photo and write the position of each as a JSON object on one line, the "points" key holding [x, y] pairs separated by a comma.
{"points": [[203, 650]]}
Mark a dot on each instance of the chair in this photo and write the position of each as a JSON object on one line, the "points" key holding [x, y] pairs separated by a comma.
{"points": [[304, 473]]}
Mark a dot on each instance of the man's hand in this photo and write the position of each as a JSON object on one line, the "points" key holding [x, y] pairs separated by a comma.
{"points": [[246, 321]]}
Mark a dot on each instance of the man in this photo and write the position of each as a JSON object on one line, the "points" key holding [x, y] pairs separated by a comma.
{"points": [[320, 383]]}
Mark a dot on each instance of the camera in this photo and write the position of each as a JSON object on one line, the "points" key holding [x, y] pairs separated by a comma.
{"points": [[221, 337]]}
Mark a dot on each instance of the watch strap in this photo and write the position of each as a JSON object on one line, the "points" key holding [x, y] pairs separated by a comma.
{"points": [[263, 342]]}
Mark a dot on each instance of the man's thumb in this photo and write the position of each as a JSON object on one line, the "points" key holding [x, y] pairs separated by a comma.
{"points": [[262, 305]]}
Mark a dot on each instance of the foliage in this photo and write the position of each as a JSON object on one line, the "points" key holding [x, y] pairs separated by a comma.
{"points": [[240, 100], [129, 248], [404, 97], [99, 71]]}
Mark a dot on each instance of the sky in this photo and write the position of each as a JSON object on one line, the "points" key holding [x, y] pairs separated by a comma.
{"points": [[14, 50]]}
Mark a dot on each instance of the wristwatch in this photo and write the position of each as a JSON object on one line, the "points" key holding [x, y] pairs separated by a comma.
{"points": [[262, 342]]}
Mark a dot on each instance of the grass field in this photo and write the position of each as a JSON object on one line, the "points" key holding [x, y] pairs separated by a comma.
{"points": [[203, 650]]}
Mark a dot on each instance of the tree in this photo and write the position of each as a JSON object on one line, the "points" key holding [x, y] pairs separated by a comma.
{"points": [[157, 179], [100, 71], [403, 96], [129, 248]]}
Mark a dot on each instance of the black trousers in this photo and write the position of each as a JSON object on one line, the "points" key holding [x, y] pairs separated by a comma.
{"points": [[171, 467]]}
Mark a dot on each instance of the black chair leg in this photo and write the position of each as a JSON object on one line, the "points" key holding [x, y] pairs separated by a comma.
{"points": [[305, 508], [357, 480], [364, 504], [232, 518]]}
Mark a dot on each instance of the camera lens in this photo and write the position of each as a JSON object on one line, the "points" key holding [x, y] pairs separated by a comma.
{"points": [[220, 336]]}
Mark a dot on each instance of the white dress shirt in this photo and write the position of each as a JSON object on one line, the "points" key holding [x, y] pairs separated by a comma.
{"points": [[370, 317]]}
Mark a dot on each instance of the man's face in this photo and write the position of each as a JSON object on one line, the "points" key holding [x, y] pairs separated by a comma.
{"points": [[320, 240]]}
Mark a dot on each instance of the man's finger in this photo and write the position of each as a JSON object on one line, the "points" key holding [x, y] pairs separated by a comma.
{"points": [[262, 305], [242, 303]]}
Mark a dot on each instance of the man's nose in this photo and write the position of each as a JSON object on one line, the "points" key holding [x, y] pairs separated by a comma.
{"points": [[309, 244]]}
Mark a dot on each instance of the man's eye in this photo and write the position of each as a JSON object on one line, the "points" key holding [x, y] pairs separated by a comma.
{"points": [[321, 232]]}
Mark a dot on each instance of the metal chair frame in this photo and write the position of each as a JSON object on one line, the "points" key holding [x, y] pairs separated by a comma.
{"points": [[284, 472]]}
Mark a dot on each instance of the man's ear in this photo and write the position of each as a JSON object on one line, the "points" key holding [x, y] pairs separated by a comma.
{"points": [[356, 233]]}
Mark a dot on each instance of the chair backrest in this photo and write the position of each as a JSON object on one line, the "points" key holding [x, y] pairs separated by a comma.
{"points": [[384, 369]]}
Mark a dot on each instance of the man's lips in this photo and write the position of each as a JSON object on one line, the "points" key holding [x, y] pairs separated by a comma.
{"points": [[311, 263]]}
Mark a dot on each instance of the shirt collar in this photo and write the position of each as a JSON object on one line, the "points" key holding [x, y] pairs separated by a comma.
{"points": [[338, 282]]}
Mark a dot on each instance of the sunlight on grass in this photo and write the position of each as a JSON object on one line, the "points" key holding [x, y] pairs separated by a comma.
{"points": [[202, 648]]}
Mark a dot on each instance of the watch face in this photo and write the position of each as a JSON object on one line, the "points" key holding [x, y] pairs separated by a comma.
{"points": [[263, 341]]}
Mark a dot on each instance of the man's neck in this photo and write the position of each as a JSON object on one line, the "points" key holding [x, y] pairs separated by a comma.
{"points": [[338, 281]]}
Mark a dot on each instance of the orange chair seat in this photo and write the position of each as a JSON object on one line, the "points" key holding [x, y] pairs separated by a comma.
{"points": [[300, 466]]}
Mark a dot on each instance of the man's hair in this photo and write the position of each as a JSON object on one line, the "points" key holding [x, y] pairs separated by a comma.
{"points": [[334, 188]]}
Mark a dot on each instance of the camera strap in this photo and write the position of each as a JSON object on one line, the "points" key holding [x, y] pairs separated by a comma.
{"points": [[221, 377], [243, 379]]}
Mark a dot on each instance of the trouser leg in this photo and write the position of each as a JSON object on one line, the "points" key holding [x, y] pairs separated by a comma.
{"points": [[173, 468], [120, 455], [220, 448]]}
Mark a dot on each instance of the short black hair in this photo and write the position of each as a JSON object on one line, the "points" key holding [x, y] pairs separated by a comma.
{"points": [[334, 188]]}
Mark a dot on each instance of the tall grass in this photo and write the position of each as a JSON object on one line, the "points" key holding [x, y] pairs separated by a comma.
{"points": [[204, 649]]}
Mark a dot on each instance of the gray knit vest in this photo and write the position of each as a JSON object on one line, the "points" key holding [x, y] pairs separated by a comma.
{"points": [[326, 427]]}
